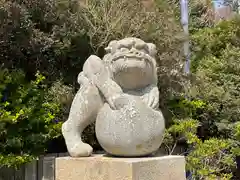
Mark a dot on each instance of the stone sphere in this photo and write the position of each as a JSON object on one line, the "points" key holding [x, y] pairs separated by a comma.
{"points": [[131, 131]]}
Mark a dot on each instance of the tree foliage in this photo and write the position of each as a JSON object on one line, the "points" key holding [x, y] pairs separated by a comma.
{"points": [[57, 36], [42, 35], [213, 105], [216, 65]]}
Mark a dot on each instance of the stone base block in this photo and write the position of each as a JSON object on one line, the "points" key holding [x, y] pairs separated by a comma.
{"points": [[101, 167]]}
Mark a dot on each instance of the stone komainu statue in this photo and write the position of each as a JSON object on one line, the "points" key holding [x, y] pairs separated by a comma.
{"points": [[120, 93]]}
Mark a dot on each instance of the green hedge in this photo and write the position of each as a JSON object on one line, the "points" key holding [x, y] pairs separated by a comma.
{"points": [[28, 117]]}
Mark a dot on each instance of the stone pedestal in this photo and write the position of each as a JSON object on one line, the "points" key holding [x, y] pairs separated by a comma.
{"points": [[101, 167]]}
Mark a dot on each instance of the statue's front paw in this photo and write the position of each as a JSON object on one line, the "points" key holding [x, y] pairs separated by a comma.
{"points": [[153, 102], [81, 150], [151, 98]]}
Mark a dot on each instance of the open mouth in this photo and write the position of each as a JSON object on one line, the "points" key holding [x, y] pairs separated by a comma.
{"points": [[138, 57]]}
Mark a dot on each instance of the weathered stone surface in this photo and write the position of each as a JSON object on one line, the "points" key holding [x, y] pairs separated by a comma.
{"points": [[99, 167], [133, 130], [120, 93]]}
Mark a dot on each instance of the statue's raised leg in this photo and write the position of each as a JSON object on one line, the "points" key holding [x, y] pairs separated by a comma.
{"points": [[97, 71], [83, 112]]}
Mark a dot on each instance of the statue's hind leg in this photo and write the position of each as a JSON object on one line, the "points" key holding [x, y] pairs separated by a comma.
{"points": [[83, 112]]}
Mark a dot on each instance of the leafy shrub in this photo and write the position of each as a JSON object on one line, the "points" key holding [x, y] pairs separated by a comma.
{"points": [[212, 159], [182, 107], [213, 103], [209, 159], [216, 67], [28, 118]]}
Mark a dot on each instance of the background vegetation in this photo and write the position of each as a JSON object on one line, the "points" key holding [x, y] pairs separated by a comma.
{"points": [[43, 45]]}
